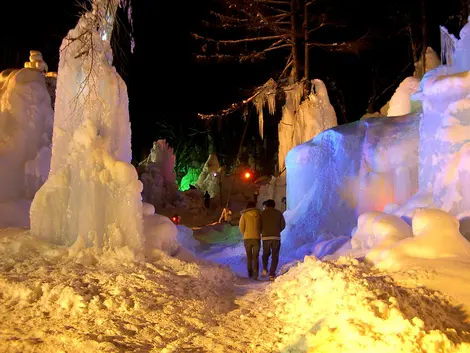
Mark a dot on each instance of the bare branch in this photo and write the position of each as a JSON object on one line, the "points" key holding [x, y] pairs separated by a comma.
{"points": [[236, 41], [325, 24], [223, 57], [277, 47], [274, 2], [281, 11], [228, 18], [346, 46]]}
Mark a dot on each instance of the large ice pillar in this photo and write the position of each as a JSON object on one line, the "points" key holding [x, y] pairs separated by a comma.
{"points": [[302, 122], [25, 127], [92, 192]]}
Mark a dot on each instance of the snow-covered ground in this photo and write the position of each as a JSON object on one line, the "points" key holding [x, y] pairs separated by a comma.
{"points": [[54, 300]]}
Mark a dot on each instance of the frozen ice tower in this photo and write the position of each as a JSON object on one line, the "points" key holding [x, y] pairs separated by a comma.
{"points": [[25, 133], [92, 196]]}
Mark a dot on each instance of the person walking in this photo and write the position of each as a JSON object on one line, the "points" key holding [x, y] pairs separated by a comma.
{"points": [[207, 200], [250, 227], [273, 223]]}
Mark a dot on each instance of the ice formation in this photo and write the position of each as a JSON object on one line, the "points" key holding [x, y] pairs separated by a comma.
{"points": [[432, 61], [395, 164], [365, 166], [158, 177], [92, 196], [303, 121], [209, 177], [401, 103], [26, 119]]}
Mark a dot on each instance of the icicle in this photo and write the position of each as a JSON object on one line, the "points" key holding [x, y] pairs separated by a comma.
{"points": [[448, 42], [259, 103], [271, 102], [261, 124]]}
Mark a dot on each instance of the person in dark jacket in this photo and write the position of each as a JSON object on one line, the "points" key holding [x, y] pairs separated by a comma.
{"points": [[250, 227], [273, 223], [207, 200]]}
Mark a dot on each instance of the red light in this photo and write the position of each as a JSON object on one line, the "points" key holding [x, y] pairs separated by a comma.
{"points": [[247, 175], [173, 218]]}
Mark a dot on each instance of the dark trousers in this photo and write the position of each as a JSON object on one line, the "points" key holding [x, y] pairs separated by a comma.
{"points": [[252, 256], [269, 246]]}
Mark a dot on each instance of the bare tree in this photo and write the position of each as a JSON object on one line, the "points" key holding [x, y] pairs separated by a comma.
{"points": [[254, 29]]}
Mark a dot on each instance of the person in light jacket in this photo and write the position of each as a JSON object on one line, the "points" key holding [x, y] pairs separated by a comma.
{"points": [[250, 227], [273, 223]]}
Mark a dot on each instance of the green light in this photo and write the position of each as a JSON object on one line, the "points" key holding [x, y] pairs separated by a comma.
{"points": [[189, 179]]}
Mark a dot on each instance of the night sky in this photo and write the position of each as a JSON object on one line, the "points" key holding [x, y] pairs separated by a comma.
{"points": [[166, 85]]}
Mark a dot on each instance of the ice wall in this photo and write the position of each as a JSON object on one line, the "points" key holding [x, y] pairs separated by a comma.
{"points": [[444, 134], [402, 167], [26, 118], [348, 170], [445, 142], [92, 195]]}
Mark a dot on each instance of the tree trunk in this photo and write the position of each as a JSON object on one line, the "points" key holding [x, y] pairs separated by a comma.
{"points": [[464, 4], [425, 33], [210, 137], [293, 38], [305, 25]]}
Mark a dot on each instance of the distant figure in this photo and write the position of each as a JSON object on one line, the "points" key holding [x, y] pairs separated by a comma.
{"points": [[273, 223], [226, 216], [207, 200], [255, 196], [250, 227], [284, 202]]}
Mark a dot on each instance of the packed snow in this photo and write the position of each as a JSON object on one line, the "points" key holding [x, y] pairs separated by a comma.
{"points": [[53, 298]]}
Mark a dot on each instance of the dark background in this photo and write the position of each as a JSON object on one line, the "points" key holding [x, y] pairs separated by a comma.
{"points": [[167, 86]]}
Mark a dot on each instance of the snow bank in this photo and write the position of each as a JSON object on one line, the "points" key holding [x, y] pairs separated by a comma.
{"points": [[186, 239], [160, 233], [435, 236], [25, 128], [50, 298], [92, 195], [344, 307], [377, 231]]}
